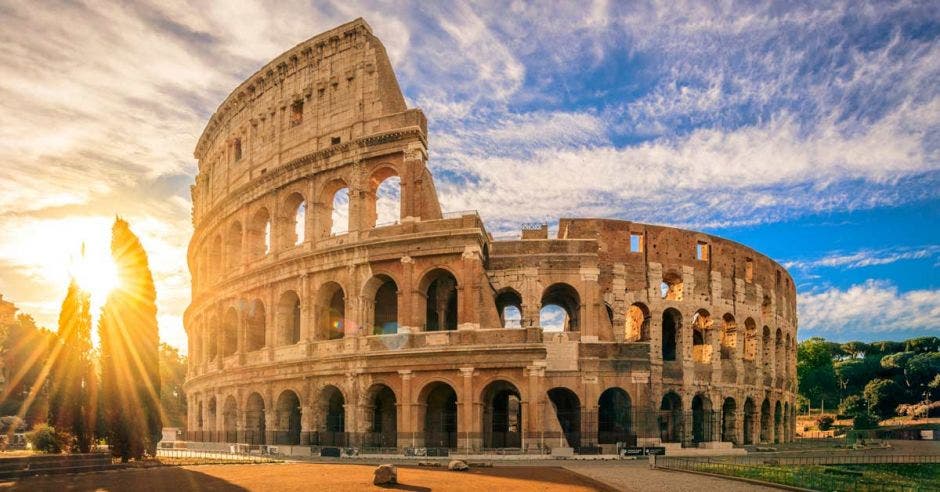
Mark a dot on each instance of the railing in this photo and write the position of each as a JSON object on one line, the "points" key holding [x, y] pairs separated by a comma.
{"points": [[215, 456], [807, 472]]}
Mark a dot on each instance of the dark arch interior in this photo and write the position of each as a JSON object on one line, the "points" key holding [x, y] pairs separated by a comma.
{"points": [[672, 320], [670, 418], [332, 426], [288, 419], [568, 412], [385, 321], [703, 420], [729, 412], [749, 420], [254, 420], [440, 418], [441, 302], [614, 418], [384, 414], [502, 416]]}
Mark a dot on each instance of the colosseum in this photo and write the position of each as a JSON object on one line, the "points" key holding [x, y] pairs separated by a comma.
{"points": [[320, 320]]}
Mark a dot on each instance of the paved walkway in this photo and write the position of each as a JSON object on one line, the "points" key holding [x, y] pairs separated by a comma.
{"points": [[636, 476]]}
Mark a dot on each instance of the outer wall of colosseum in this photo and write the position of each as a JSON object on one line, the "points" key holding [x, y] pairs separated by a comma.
{"points": [[425, 331]]}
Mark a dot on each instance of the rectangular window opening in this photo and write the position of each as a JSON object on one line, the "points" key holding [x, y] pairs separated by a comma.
{"points": [[238, 149], [335, 141], [296, 113], [636, 243], [701, 251], [748, 270]]}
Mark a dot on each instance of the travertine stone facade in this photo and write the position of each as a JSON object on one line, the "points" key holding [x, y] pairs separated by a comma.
{"points": [[402, 335]]}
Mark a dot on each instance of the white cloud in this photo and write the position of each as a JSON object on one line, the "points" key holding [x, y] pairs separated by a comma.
{"points": [[874, 308], [866, 258]]}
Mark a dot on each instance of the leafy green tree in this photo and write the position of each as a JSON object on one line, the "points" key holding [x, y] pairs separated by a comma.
{"points": [[855, 349], [922, 344], [853, 405], [883, 397], [172, 377], [853, 374], [921, 369], [885, 347], [130, 351], [815, 373], [72, 399]]}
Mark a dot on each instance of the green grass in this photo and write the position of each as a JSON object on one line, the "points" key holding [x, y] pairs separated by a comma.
{"points": [[868, 477]]}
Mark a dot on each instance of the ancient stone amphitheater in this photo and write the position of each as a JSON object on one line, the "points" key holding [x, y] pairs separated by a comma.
{"points": [[314, 322]]}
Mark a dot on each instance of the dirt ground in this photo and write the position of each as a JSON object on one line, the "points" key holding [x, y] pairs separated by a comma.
{"points": [[305, 477]]}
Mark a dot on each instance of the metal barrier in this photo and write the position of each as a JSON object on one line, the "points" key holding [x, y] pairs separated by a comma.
{"points": [[219, 456], [809, 472]]}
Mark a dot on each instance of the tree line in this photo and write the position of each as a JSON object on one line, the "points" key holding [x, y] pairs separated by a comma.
{"points": [[74, 395], [870, 381]]}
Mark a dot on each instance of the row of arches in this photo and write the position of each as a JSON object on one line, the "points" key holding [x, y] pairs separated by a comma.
{"points": [[712, 424], [264, 232]]}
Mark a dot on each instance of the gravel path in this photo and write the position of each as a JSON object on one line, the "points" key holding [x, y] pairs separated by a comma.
{"points": [[636, 476]]}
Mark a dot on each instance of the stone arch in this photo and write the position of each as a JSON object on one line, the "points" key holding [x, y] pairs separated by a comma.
{"points": [[672, 323], [729, 334], [380, 294], [779, 353], [288, 318], [384, 205], [440, 290], [767, 355], [509, 308], [702, 337], [381, 413], [259, 234], [502, 415], [637, 323], [439, 404], [778, 422], [335, 217], [671, 287], [615, 417], [213, 418], [230, 419], [750, 339], [567, 407], [750, 420], [230, 332], [293, 230], [254, 419], [331, 311], [331, 411], [785, 435], [212, 335], [703, 419], [670, 418], [288, 415], [255, 336], [233, 247], [565, 297], [729, 410], [215, 259]]}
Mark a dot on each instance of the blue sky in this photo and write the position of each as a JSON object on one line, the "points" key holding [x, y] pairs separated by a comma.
{"points": [[807, 130]]}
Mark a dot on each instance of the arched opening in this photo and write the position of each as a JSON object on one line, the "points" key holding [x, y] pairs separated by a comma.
{"points": [[671, 287], [288, 318], [200, 422], [778, 422], [254, 420], [230, 332], [288, 418], [385, 188], [750, 339], [768, 352], [702, 337], [509, 307], [233, 247], [670, 418], [212, 344], [561, 308], [729, 412], [440, 288], [788, 354], [638, 323], [382, 411], [729, 341], [614, 418], [256, 325], [293, 222], [765, 422], [331, 405], [384, 305], [440, 416], [230, 419], [212, 423], [215, 259], [785, 434], [750, 411], [331, 312], [502, 415], [259, 234], [703, 419], [672, 320], [339, 212], [568, 412], [765, 310]]}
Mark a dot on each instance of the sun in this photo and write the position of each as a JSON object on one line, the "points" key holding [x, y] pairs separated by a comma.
{"points": [[95, 272]]}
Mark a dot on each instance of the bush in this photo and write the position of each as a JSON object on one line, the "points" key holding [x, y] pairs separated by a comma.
{"points": [[864, 420], [44, 439], [825, 422], [852, 405], [883, 397]]}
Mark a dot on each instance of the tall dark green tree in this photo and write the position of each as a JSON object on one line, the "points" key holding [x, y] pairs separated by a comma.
{"points": [[815, 373], [73, 399], [130, 351]]}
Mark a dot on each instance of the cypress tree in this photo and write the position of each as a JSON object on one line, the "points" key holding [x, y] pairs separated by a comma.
{"points": [[130, 373], [73, 381]]}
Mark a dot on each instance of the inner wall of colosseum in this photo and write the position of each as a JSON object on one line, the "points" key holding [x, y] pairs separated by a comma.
{"points": [[334, 304]]}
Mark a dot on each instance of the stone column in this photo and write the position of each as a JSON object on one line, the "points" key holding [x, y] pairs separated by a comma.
{"points": [[406, 418], [468, 298], [468, 424], [407, 297], [534, 406]]}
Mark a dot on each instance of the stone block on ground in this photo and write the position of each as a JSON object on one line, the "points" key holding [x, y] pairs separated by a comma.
{"points": [[457, 465], [385, 475]]}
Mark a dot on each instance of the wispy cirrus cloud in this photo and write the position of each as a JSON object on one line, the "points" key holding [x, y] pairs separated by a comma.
{"points": [[866, 258]]}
